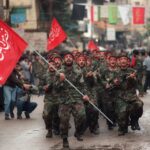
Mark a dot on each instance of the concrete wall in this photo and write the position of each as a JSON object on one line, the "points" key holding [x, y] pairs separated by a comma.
{"points": [[20, 3], [31, 16], [37, 39]]}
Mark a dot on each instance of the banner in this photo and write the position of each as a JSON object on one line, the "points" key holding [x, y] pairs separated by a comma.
{"points": [[113, 14], [12, 47], [56, 35], [111, 34], [104, 11], [98, 2], [92, 46], [94, 13], [79, 1], [138, 15], [124, 11], [78, 12]]}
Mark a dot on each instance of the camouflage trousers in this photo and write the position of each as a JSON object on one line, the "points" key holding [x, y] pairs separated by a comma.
{"points": [[109, 109], [50, 116], [100, 100], [135, 110], [78, 112], [126, 110], [92, 116]]}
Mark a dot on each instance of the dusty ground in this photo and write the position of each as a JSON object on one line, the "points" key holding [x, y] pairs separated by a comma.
{"points": [[30, 134]]}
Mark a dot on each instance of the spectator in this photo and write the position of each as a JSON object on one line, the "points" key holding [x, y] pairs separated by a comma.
{"points": [[24, 104], [26, 68], [9, 92], [146, 64]]}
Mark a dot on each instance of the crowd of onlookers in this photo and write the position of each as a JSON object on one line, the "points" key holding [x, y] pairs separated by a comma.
{"points": [[17, 90], [140, 60]]}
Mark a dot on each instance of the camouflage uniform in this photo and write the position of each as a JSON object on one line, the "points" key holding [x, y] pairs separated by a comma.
{"points": [[128, 104], [92, 115], [51, 101], [109, 102], [71, 103], [100, 90], [39, 69]]}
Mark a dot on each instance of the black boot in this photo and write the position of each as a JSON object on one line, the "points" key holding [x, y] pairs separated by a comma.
{"points": [[137, 127], [7, 117], [132, 123], [95, 131], [19, 115], [65, 143], [49, 134], [110, 127], [121, 132], [27, 115], [78, 136], [133, 127], [12, 115], [56, 132]]}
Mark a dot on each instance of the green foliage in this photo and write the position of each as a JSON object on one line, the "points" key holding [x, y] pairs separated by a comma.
{"points": [[62, 12]]}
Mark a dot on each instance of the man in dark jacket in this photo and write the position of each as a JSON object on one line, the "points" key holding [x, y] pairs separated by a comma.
{"points": [[9, 91]]}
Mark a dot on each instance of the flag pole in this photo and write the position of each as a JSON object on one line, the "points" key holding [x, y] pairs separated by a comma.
{"points": [[74, 87], [71, 42], [92, 18]]}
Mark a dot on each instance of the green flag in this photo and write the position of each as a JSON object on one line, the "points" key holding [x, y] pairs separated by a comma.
{"points": [[113, 14], [99, 13]]}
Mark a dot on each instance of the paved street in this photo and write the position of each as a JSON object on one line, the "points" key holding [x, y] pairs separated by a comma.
{"points": [[30, 134]]}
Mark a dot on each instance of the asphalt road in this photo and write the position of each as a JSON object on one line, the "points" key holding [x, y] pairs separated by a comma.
{"points": [[30, 134]]}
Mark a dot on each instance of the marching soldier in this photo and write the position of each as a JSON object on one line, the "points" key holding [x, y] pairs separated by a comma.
{"points": [[128, 104], [110, 83], [89, 82], [51, 102], [71, 102]]}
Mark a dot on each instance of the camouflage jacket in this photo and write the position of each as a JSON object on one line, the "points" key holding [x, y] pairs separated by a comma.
{"points": [[108, 77], [53, 82], [128, 86], [68, 93]]}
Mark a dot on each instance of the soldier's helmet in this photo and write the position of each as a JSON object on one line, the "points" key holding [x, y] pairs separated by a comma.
{"points": [[123, 58], [81, 56], [53, 55], [123, 55]]}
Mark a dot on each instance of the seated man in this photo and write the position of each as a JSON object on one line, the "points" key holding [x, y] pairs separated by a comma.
{"points": [[24, 104]]}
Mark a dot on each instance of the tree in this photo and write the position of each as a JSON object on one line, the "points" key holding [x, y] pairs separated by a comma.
{"points": [[61, 10]]}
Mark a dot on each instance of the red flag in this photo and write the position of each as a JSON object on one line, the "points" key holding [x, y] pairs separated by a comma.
{"points": [[56, 35], [138, 15], [92, 14], [92, 46], [11, 48]]}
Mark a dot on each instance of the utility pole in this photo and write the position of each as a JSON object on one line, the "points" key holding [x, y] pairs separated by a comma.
{"points": [[90, 28], [1, 10], [6, 7]]}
